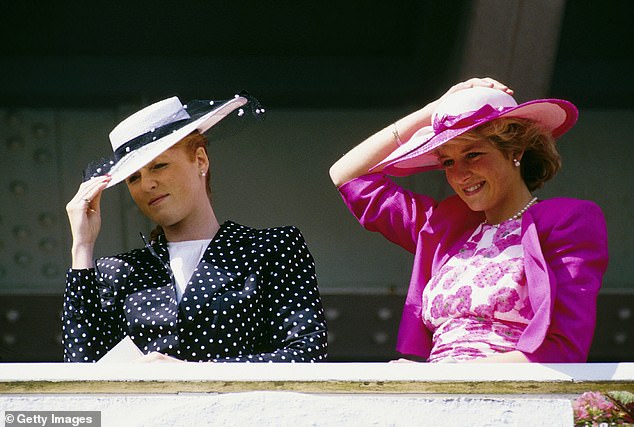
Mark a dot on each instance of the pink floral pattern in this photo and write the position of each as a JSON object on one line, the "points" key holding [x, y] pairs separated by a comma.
{"points": [[477, 303]]}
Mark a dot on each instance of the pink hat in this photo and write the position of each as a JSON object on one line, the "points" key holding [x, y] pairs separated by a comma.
{"points": [[465, 110]]}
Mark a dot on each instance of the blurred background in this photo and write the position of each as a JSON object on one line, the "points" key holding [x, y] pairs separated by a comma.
{"points": [[329, 74]]}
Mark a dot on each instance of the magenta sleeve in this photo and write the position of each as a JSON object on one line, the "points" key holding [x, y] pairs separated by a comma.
{"points": [[382, 206], [575, 251]]}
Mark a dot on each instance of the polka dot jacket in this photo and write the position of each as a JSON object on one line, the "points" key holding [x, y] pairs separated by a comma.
{"points": [[252, 298]]}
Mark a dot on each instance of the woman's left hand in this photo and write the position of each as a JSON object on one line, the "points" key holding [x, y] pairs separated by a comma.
{"points": [[402, 360], [158, 357], [508, 357]]}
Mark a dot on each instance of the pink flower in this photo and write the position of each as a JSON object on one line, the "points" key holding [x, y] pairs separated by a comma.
{"points": [[580, 411], [484, 311], [506, 332], [527, 310], [503, 239], [436, 310], [460, 302], [451, 304], [489, 276], [592, 408], [453, 276], [467, 250], [504, 299]]}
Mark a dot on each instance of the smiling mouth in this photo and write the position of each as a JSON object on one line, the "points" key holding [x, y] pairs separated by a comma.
{"points": [[157, 200], [473, 188]]}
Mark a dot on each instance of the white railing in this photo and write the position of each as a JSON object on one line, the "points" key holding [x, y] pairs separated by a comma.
{"points": [[323, 394]]}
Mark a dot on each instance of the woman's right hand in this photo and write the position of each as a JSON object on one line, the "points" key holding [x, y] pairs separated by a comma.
{"points": [[84, 215], [476, 82]]}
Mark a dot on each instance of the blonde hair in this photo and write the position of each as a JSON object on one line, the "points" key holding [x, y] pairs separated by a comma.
{"points": [[514, 136]]}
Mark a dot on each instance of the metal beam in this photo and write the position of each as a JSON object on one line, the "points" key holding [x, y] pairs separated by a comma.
{"points": [[514, 41]]}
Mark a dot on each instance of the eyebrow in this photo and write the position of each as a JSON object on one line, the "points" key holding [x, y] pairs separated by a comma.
{"points": [[468, 147], [158, 159]]}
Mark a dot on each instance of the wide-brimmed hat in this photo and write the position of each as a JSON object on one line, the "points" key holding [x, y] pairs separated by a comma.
{"points": [[465, 110], [144, 135]]}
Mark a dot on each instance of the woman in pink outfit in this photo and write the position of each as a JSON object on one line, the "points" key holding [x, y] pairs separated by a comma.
{"points": [[499, 275]]}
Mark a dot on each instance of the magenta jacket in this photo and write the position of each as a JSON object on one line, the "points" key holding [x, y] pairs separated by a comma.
{"points": [[565, 257]]}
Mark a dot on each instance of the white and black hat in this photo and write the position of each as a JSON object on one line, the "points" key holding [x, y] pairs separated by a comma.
{"points": [[144, 135]]}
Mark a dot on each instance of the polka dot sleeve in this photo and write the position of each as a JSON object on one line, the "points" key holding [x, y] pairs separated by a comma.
{"points": [[90, 321]]}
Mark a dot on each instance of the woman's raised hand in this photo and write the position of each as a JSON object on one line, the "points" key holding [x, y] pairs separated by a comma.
{"points": [[423, 116], [84, 215], [478, 82]]}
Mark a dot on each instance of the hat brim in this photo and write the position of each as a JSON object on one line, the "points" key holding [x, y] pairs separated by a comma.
{"points": [[140, 157], [416, 155]]}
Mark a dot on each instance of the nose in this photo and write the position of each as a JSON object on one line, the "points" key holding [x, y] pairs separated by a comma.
{"points": [[147, 182], [459, 173]]}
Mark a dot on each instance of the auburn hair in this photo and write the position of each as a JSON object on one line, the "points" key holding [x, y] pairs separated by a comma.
{"points": [[190, 144]]}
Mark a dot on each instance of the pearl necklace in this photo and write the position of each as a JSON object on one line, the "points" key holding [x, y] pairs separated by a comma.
{"points": [[519, 213]]}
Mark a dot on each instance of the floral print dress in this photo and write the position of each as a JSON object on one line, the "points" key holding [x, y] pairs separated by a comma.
{"points": [[477, 304]]}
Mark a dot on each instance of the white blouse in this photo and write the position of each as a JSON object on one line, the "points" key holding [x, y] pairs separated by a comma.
{"points": [[184, 257]]}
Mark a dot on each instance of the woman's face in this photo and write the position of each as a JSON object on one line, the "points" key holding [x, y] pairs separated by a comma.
{"points": [[170, 190], [484, 178]]}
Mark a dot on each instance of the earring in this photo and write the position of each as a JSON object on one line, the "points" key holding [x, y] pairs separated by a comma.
{"points": [[516, 163], [203, 173]]}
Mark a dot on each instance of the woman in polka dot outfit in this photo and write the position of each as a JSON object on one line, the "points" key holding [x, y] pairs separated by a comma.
{"points": [[498, 276], [200, 290]]}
